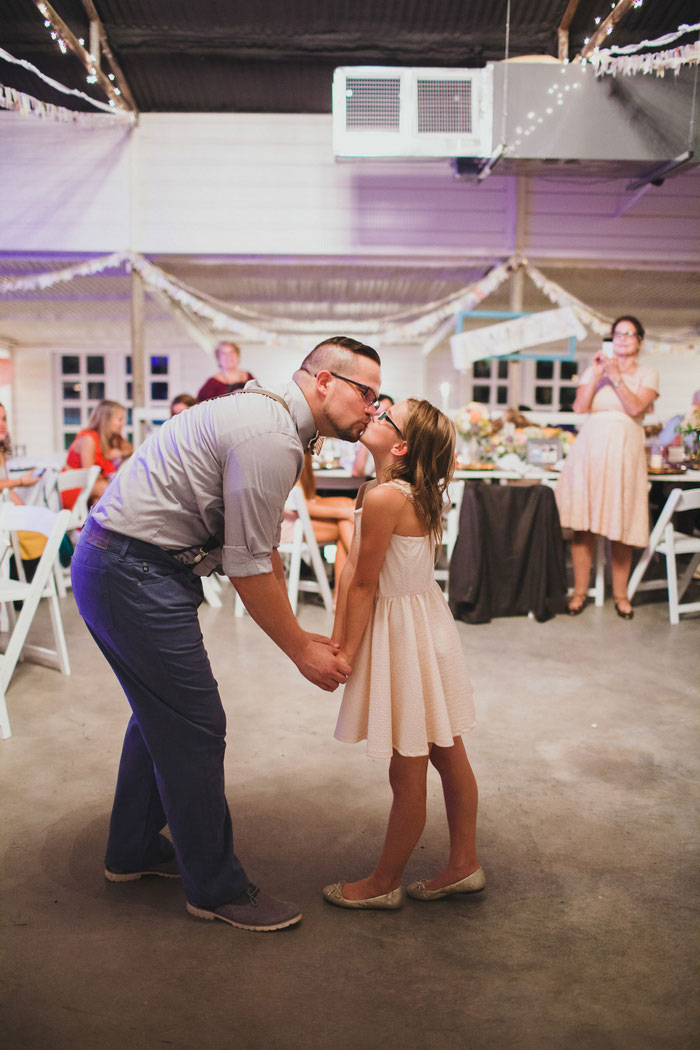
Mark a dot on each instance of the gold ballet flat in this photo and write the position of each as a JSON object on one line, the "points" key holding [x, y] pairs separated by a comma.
{"points": [[471, 884], [387, 901]]}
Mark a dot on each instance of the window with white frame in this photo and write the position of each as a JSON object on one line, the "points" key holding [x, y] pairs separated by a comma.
{"points": [[490, 383], [551, 385], [85, 379]]}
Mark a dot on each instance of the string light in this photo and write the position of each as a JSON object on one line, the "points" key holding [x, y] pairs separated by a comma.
{"points": [[55, 33], [559, 90]]}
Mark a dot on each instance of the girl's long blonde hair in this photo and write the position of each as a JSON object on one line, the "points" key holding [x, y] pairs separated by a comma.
{"points": [[99, 420], [429, 462]]}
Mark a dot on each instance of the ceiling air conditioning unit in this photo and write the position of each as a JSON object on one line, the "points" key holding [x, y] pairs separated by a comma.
{"points": [[382, 111]]}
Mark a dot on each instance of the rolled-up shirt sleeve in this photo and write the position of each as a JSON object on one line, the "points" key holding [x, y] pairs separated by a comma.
{"points": [[258, 476]]}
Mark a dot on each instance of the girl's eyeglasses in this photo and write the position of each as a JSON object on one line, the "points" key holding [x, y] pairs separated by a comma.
{"points": [[390, 421]]}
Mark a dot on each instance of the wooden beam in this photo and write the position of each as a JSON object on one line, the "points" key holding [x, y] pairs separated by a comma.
{"points": [[563, 31], [121, 80], [601, 34], [72, 42]]}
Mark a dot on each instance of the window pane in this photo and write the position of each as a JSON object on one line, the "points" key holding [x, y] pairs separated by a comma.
{"points": [[545, 370], [502, 395], [69, 438], [128, 364], [159, 366], [567, 396], [159, 391], [70, 366], [543, 395], [129, 416], [482, 370], [481, 393], [71, 417], [71, 391], [502, 369], [569, 370], [96, 391], [95, 365], [129, 391]]}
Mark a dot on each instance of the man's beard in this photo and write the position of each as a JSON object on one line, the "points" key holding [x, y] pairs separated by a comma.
{"points": [[352, 434]]}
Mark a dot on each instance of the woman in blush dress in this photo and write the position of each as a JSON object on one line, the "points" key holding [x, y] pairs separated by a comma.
{"points": [[602, 490]]}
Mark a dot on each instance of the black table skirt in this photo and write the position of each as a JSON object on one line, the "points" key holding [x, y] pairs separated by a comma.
{"points": [[509, 556]]}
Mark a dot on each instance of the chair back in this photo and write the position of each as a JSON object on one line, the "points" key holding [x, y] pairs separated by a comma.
{"points": [[53, 526], [82, 478]]}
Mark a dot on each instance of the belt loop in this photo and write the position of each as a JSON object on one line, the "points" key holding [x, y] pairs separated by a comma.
{"points": [[125, 546]]}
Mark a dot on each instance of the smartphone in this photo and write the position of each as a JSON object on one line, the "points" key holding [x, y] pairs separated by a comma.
{"points": [[40, 472], [608, 348]]}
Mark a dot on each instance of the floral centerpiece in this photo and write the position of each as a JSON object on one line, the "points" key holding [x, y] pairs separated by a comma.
{"points": [[690, 427], [486, 440], [473, 423]]}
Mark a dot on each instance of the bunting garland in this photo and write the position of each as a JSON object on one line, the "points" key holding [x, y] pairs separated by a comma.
{"points": [[28, 106], [203, 313]]}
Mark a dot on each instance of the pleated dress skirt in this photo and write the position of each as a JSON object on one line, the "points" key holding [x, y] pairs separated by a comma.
{"points": [[409, 687], [603, 485]]}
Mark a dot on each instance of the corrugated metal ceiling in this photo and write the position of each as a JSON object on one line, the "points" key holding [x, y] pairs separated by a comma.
{"points": [[279, 55]]}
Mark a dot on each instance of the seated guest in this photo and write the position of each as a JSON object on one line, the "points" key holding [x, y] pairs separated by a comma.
{"points": [[180, 403], [363, 464], [24, 480], [31, 544], [229, 377], [332, 517], [102, 444]]}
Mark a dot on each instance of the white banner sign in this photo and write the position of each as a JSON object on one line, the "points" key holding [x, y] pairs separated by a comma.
{"points": [[509, 337]]}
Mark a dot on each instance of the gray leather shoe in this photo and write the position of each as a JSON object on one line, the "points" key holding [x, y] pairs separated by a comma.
{"points": [[167, 869], [388, 901], [471, 884], [253, 910]]}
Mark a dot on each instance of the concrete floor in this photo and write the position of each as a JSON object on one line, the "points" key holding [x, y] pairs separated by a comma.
{"points": [[586, 756]]}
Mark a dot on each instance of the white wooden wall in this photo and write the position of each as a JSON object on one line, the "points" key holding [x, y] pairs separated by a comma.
{"points": [[268, 184]]}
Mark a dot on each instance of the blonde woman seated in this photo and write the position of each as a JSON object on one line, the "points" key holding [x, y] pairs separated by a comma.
{"points": [[331, 516], [100, 443]]}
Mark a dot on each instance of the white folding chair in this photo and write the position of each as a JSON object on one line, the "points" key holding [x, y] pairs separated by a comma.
{"points": [[666, 541], [53, 526], [302, 546], [455, 494], [83, 478]]}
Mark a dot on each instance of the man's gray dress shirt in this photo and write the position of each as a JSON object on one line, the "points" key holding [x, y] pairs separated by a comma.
{"points": [[221, 469]]}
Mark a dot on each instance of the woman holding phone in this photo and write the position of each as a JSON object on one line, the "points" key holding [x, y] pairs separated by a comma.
{"points": [[602, 490]]}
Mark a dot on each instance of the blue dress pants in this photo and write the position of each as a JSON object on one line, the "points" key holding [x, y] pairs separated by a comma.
{"points": [[140, 605]]}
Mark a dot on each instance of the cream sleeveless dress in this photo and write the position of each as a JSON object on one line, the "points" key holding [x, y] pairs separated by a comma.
{"points": [[603, 485], [409, 687]]}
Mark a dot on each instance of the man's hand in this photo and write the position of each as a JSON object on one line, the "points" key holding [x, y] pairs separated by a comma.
{"points": [[320, 665]]}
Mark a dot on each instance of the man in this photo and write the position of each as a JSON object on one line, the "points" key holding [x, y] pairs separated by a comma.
{"points": [[207, 489]]}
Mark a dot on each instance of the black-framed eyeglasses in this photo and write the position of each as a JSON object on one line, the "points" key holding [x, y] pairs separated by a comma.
{"points": [[390, 421], [368, 394]]}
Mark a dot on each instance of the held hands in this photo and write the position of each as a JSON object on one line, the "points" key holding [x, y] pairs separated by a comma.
{"points": [[321, 663]]}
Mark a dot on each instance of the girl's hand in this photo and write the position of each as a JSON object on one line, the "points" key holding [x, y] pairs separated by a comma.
{"points": [[335, 646], [27, 479], [114, 454]]}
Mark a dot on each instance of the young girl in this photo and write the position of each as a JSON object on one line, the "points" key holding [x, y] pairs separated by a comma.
{"points": [[409, 695]]}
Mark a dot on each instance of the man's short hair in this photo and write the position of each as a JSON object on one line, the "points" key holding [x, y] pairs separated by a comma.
{"points": [[336, 353]]}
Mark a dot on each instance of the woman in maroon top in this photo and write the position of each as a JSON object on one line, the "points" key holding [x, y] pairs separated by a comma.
{"points": [[229, 377]]}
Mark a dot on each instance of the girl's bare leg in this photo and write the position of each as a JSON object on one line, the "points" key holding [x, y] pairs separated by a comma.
{"points": [[621, 558], [406, 822], [461, 802]]}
